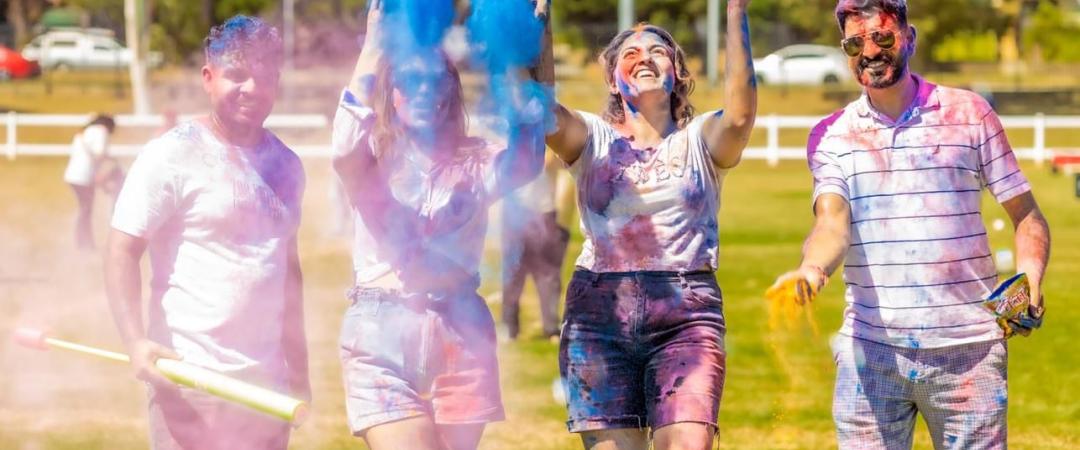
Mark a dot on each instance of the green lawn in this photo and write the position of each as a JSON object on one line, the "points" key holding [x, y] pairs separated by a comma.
{"points": [[779, 383], [778, 387]]}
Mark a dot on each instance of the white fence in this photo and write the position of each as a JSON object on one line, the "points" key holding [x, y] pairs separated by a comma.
{"points": [[1039, 123], [771, 152], [13, 121]]}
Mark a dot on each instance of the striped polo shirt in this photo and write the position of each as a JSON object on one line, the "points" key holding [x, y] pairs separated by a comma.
{"points": [[919, 261]]}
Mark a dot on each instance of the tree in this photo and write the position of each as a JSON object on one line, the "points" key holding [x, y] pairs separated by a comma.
{"points": [[23, 14]]}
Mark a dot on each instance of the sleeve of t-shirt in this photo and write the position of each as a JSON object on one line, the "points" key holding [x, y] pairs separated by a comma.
{"points": [[353, 124], [595, 126], [824, 166], [150, 194], [1000, 172], [697, 140], [295, 179], [95, 140]]}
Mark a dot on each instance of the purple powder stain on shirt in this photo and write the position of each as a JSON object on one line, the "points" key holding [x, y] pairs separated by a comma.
{"points": [[694, 191], [609, 174], [637, 239], [602, 187]]}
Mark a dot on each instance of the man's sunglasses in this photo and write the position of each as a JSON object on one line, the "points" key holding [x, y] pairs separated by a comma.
{"points": [[853, 46]]}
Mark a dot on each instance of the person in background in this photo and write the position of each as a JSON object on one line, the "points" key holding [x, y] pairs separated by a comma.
{"points": [[91, 167], [533, 243]]}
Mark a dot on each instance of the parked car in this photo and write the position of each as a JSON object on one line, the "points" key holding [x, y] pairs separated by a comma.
{"points": [[87, 48], [803, 64], [13, 65]]}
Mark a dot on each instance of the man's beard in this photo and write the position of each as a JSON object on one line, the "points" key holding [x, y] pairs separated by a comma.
{"points": [[881, 78]]}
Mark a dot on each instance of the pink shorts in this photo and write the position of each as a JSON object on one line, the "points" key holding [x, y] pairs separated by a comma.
{"points": [[404, 357]]}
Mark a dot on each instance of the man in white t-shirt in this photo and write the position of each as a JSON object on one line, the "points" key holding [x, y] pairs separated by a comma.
{"points": [[217, 202]]}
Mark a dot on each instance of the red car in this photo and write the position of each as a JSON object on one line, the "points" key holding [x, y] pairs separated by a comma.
{"points": [[13, 65]]}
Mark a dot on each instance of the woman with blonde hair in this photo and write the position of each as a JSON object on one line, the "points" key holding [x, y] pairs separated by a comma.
{"points": [[418, 344]]}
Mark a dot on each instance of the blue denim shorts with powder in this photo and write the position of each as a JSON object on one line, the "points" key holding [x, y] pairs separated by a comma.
{"points": [[642, 349]]}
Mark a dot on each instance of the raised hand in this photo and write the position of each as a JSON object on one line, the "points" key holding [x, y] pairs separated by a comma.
{"points": [[542, 9], [374, 25], [364, 74]]}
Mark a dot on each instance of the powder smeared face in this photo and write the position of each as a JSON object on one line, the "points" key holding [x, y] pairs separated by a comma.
{"points": [[876, 67], [644, 66], [421, 92], [242, 91]]}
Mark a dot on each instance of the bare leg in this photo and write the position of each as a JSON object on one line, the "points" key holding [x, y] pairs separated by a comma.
{"points": [[415, 432], [84, 233], [621, 439], [421, 433], [460, 437], [684, 436], [515, 267]]}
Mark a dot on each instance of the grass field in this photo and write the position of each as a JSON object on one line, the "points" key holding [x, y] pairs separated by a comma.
{"points": [[778, 387], [779, 384]]}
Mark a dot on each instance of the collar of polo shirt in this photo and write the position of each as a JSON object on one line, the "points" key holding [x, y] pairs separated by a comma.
{"points": [[925, 98]]}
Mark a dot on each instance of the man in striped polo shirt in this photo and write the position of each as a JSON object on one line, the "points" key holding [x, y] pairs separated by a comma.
{"points": [[898, 178]]}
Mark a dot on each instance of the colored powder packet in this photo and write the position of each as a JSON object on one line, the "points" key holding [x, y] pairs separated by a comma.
{"points": [[1010, 298]]}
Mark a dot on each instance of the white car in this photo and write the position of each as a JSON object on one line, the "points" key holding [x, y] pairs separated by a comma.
{"points": [[803, 64], [81, 48]]}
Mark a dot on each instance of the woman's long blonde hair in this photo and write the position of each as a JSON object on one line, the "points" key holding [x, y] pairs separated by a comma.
{"points": [[388, 129]]}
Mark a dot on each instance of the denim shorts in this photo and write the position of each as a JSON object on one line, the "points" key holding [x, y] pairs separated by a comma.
{"points": [[409, 355], [642, 349], [961, 392]]}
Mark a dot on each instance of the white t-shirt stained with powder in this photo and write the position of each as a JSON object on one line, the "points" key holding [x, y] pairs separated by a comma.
{"points": [[650, 209], [218, 220]]}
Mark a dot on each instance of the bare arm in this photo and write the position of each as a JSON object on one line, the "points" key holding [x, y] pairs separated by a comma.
{"points": [[295, 342], [364, 73], [827, 243], [123, 286], [727, 134], [830, 238], [1032, 241], [568, 139]]}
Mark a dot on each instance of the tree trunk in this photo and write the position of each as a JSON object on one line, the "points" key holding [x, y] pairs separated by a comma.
{"points": [[20, 26], [208, 13]]}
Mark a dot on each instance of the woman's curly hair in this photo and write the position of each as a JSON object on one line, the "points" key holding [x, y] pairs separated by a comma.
{"points": [[681, 109]]}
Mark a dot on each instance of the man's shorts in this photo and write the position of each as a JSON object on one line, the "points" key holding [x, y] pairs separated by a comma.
{"points": [[183, 418], [642, 349], [406, 356], [961, 392]]}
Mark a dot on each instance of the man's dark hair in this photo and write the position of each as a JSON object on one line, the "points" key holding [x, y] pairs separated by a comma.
{"points": [[244, 37], [102, 119], [847, 8]]}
